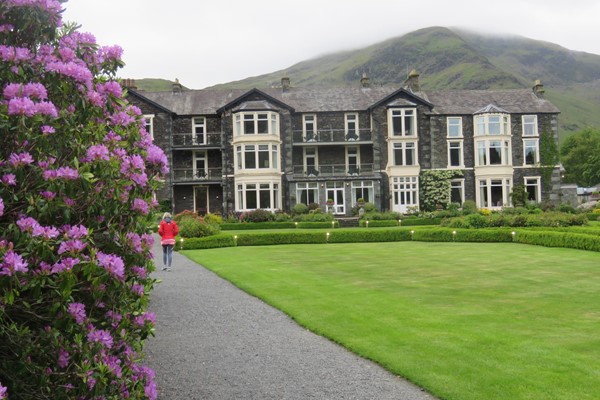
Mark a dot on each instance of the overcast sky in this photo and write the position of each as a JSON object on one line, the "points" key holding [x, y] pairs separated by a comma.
{"points": [[205, 42]]}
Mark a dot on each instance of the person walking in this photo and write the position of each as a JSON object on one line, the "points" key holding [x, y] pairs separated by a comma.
{"points": [[167, 230]]}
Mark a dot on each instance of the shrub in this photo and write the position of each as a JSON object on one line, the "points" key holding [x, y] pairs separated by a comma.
{"points": [[476, 220], [380, 216], [316, 216], [469, 207], [194, 227], [165, 205], [300, 208], [257, 216], [559, 239], [213, 219], [185, 214], [314, 206], [78, 171], [282, 217], [567, 208], [263, 239]]}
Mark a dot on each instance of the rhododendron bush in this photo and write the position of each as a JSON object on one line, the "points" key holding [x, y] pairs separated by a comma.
{"points": [[77, 173]]}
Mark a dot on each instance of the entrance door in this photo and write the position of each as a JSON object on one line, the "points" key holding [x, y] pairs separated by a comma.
{"points": [[335, 192], [201, 200], [404, 192]]}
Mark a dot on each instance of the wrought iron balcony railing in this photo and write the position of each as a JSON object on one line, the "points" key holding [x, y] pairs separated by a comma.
{"points": [[332, 136], [337, 170], [200, 140], [197, 175]]}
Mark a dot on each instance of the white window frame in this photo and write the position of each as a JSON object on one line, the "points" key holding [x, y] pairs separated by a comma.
{"points": [[454, 122], [533, 124], [403, 114], [505, 152], [482, 124], [270, 119], [353, 152], [536, 152], [243, 151], [306, 155], [350, 118], [310, 135], [200, 155], [527, 182], [461, 158], [406, 188], [402, 145], [486, 184], [243, 188], [460, 185], [199, 123], [308, 187], [149, 124], [359, 188]]}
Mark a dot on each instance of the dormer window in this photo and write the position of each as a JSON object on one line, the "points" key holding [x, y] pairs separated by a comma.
{"points": [[403, 122]]}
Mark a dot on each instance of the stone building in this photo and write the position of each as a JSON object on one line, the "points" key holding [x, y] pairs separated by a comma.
{"points": [[234, 150]]}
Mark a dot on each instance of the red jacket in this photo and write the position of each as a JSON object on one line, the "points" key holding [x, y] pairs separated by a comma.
{"points": [[168, 231]]}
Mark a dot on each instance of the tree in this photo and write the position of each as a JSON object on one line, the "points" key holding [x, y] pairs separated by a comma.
{"points": [[580, 155], [77, 174]]}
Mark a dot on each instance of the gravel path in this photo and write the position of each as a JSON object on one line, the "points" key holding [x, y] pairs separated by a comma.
{"points": [[213, 341]]}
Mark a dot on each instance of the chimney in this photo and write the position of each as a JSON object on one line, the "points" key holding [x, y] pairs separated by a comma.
{"points": [[177, 86], [285, 83], [538, 89], [412, 82], [128, 83], [364, 81]]}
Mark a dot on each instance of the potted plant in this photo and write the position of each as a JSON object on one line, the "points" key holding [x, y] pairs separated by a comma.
{"points": [[329, 202], [360, 202]]}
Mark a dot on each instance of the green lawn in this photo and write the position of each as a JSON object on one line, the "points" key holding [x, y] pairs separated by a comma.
{"points": [[463, 320]]}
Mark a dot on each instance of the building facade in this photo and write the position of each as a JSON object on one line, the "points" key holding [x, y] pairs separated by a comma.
{"points": [[236, 150]]}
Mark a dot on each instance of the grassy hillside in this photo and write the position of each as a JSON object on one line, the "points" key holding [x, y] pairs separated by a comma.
{"points": [[453, 59], [155, 84]]}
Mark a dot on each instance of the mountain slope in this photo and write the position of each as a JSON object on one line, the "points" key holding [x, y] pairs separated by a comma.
{"points": [[458, 59]]}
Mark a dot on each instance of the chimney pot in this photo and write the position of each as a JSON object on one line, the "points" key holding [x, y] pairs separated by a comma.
{"points": [[285, 83], [177, 86], [412, 81], [364, 81], [538, 88]]}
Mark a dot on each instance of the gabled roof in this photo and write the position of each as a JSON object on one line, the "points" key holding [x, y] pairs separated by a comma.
{"points": [[402, 95], [140, 96], [254, 103]]}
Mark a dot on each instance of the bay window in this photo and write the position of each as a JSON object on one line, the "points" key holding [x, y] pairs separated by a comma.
{"points": [[259, 195], [402, 122], [493, 152], [256, 123], [404, 153], [492, 124], [494, 192], [257, 156]]}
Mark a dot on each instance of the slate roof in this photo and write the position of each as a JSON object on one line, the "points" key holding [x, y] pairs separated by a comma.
{"points": [[303, 100], [514, 101]]}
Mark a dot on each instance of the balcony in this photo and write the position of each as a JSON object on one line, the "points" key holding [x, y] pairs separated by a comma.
{"points": [[326, 136], [193, 140], [189, 175], [336, 170]]}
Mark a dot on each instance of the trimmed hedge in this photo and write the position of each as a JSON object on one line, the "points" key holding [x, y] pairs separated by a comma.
{"points": [[579, 241], [278, 225], [264, 239], [559, 239], [405, 222], [209, 242]]}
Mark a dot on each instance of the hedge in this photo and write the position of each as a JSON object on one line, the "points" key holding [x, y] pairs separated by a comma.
{"points": [[278, 225], [534, 237], [405, 222], [209, 242], [559, 239], [263, 239]]}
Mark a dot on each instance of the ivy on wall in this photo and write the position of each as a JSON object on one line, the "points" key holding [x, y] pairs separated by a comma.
{"points": [[434, 188], [548, 159]]}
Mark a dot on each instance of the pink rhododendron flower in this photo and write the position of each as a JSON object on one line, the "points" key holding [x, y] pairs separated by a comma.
{"points": [[141, 206], [77, 310], [71, 246], [101, 336], [112, 263], [9, 179], [97, 152], [1, 207], [12, 263], [17, 160], [47, 129]]}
